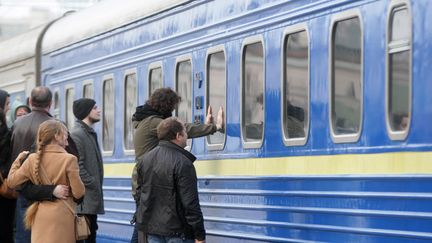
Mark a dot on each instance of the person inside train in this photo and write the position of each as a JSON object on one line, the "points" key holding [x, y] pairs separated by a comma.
{"points": [[147, 117]]}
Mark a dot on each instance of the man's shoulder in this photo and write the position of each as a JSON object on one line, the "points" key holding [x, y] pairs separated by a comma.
{"points": [[30, 119]]}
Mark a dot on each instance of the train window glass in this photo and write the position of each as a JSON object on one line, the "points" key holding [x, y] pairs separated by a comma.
{"points": [[70, 96], [216, 92], [184, 90], [108, 115], [155, 79], [130, 102], [295, 107], [88, 91], [400, 26], [56, 112], [346, 78], [399, 72], [253, 95]]}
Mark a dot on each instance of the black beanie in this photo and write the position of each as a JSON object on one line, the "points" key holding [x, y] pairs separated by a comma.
{"points": [[82, 107]]}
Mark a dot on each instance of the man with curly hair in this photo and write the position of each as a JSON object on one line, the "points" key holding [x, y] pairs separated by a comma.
{"points": [[147, 117]]}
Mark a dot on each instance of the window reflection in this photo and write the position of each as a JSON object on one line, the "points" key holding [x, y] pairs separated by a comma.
{"points": [[253, 90], [346, 77]]}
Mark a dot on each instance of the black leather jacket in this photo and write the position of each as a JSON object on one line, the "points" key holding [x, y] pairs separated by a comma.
{"points": [[167, 185]]}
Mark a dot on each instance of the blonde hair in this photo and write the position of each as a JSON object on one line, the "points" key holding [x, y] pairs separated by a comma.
{"points": [[47, 132]]}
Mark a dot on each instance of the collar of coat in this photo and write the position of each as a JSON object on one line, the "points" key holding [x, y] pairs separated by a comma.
{"points": [[172, 145], [85, 126], [54, 148], [144, 111]]}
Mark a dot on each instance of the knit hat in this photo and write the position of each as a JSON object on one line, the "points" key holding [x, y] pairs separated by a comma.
{"points": [[82, 107]]}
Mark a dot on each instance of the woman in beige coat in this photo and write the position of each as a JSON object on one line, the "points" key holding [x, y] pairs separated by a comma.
{"points": [[53, 221]]}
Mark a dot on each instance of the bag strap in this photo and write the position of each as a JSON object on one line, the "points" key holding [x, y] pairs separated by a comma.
{"points": [[46, 178]]}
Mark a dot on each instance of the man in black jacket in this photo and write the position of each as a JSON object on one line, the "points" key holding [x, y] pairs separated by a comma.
{"points": [[169, 207]]}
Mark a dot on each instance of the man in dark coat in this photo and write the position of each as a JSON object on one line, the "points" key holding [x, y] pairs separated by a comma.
{"points": [[23, 138], [169, 207], [90, 161]]}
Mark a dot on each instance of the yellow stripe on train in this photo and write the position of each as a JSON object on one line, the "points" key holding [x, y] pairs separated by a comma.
{"points": [[385, 163]]}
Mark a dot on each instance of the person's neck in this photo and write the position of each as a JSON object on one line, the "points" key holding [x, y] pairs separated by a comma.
{"points": [[88, 122], [46, 109], [175, 141]]}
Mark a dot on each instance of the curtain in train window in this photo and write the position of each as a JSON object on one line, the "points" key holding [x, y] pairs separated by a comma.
{"points": [[296, 85], [108, 115], [130, 103], [399, 69], [155, 79], [216, 90], [56, 112], [253, 93], [70, 118], [346, 83], [88, 91], [184, 90]]}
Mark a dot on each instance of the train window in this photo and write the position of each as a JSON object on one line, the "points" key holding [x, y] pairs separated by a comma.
{"points": [[295, 98], [398, 71], [155, 77], [70, 96], [216, 91], [88, 90], [56, 112], [184, 90], [346, 78], [130, 103], [252, 82], [108, 115]]}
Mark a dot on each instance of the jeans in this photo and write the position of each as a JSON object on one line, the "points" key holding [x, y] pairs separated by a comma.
{"points": [[22, 235], [167, 239]]}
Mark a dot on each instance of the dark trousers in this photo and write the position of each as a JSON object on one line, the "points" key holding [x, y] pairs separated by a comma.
{"points": [[92, 219], [22, 235], [134, 238], [7, 212]]}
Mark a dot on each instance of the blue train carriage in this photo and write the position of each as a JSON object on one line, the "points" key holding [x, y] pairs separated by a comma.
{"points": [[327, 138]]}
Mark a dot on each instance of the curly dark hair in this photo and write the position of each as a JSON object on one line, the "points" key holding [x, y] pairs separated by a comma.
{"points": [[164, 100]]}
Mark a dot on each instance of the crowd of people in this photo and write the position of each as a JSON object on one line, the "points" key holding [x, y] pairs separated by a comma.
{"points": [[58, 172]]}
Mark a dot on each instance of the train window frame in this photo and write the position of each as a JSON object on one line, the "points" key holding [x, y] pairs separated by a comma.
{"points": [[248, 41], [84, 84], [338, 17], [67, 112], [126, 73], [392, 48], [210, 51], [185, 58], [152, 66], [303, 27], [105, 78], [56, 100]]}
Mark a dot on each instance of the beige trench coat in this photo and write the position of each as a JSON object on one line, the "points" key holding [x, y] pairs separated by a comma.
{"points": [[53, 222]]}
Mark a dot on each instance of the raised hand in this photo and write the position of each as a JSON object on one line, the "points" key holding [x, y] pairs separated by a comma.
{"points": [[220, 121], [209, 117]]}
